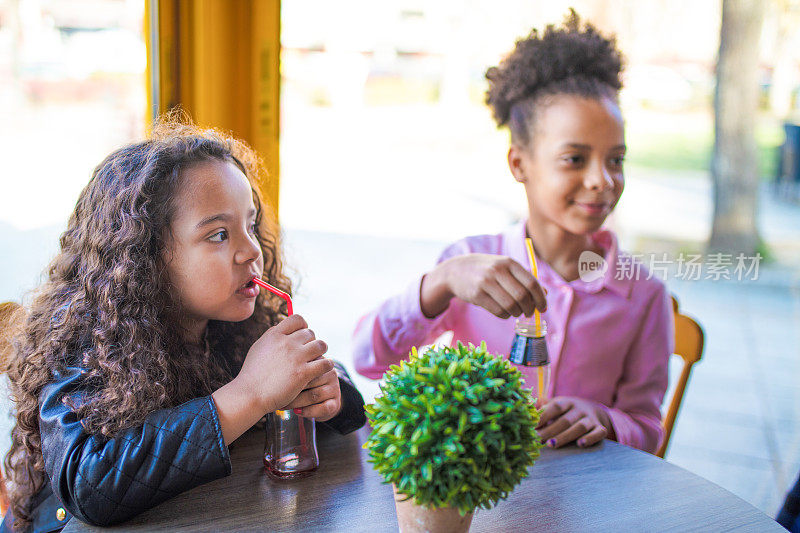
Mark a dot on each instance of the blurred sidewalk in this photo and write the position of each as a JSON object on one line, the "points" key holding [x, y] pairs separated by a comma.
{"points": [[671, 211]]}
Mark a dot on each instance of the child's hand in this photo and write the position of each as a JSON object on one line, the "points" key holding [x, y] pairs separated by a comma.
{"points": [[497, 283], [283, 362], [321, 399], [566, 419]]}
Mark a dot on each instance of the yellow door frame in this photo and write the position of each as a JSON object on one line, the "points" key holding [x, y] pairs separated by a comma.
{"points": [[219, 60]]}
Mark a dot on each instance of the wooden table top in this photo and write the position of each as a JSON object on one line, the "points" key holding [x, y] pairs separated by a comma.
{"points": [[607, 487]]}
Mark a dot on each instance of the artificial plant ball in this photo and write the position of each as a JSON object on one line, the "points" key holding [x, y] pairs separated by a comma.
{"points": [[453, 427]]}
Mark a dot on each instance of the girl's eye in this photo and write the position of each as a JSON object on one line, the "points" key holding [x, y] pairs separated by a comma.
{"points": [[574, 159], [219, 236], [253, 228], [618, 161]]}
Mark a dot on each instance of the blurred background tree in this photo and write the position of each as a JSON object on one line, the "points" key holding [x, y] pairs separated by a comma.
{"points": [[734, 164]]}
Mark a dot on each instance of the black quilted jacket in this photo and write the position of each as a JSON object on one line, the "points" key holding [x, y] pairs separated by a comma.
{"points": [[105, 481]]}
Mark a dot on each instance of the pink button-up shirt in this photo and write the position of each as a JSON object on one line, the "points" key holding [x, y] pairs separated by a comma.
{"points": [[609, 339]]}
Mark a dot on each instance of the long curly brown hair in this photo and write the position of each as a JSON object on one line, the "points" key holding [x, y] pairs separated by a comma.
{"points": [[107, 303]]}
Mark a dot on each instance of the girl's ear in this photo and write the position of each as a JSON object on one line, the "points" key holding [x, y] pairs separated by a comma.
{"points": [[516, 163]]}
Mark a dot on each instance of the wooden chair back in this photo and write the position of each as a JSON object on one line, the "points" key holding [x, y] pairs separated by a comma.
{"points": [[689, 340]]}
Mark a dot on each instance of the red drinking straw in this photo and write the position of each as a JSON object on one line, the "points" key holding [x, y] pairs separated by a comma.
{"points": [[276, 291], [288, 299]]}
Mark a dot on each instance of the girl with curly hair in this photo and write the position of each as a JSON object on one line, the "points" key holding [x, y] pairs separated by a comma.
{"points": [[609, 336], [149, 350]]}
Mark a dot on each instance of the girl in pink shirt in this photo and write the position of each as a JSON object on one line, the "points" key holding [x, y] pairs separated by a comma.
{"points": [[609, 330]]}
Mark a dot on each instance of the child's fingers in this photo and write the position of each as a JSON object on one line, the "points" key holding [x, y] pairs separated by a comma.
{"points": [[499, 294], [522, 298], [322, 411], [572, 433], [552, 410], [303, 336], [521, 295], [291, 324], [486, 301], [558, 426], [531, 284], [315, 349], [316, 368], [315, 395], [593, 437], [327, 377]]}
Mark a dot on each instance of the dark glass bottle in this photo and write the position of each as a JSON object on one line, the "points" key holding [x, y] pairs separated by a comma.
{"points": [[530, 349]]}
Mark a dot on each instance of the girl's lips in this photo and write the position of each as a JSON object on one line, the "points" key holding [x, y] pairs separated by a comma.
{"points": [[248, 290], [593, 209]]}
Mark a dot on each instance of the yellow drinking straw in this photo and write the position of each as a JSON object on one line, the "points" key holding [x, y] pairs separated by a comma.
{"points": [[537, 317]]}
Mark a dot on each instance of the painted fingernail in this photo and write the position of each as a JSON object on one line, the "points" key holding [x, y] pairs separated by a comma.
{"points": [[551, 442], [581, 443], [297, 411]]}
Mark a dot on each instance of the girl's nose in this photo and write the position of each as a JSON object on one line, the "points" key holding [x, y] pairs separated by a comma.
{"points": [[249, 249], [598, 178]]}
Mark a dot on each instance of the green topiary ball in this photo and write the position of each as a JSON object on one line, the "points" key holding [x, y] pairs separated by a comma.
{"points": [[453, 427]]}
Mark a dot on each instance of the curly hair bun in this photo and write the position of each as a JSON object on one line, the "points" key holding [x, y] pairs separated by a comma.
{"points": [[570, 59]]}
